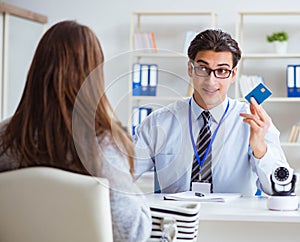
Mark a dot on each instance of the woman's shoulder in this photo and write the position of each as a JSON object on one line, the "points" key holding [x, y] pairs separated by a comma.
{"points": [[108, 143], [112, 152]]}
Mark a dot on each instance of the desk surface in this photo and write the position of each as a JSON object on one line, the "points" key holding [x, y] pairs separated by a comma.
{"points": [[247, 209]]}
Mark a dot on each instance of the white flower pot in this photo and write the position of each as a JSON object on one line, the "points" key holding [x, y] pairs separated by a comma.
{"points": [[280, 47]]}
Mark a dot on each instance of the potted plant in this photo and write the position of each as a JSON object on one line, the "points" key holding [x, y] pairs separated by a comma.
{"points": [[280, 41]]}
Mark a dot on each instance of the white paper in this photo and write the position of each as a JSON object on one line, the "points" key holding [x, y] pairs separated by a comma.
{"points": [[209, 197]]}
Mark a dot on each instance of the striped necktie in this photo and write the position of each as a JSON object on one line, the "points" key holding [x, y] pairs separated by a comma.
{"points": [[203, 140]]}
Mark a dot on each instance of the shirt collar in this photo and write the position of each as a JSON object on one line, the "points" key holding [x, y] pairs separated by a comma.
{"points": [[216, 112]]}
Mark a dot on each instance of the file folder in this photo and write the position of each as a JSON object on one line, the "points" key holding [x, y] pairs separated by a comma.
{"points": [[136, 79], [144, 79], [297, 81], [290, 80], [153, 73], [135, 118]]}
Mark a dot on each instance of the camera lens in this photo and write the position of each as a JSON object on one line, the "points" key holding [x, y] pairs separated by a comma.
{"points": [[281, 174]]}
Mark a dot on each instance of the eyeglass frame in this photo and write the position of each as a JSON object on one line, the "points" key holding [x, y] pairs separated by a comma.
{"points": [[210, 71]]}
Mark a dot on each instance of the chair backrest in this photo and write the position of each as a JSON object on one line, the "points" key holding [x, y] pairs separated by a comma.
{"points": [[44, 204]]}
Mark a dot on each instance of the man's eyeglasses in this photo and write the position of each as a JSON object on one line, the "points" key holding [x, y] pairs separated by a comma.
{"points": [[205, 71]]}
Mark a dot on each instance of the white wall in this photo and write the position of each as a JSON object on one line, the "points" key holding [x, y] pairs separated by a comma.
{"points": [[111, 21]]}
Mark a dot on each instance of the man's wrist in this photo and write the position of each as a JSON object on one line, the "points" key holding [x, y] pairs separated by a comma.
{"points": [[260, 151]]}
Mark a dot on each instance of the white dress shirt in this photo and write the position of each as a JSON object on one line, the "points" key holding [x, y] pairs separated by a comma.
{"points": [[163, 139]]}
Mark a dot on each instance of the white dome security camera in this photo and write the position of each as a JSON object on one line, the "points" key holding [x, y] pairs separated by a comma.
{"points": [[283, 183]]}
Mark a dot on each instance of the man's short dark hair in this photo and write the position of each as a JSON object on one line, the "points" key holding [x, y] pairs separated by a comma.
{"points": [[216, 40]]}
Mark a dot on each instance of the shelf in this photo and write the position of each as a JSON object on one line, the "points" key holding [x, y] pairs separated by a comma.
{"points": [[270, 13], [162, 54], [158, 55], [290, 144], [22, 13], [170, 98], [156, 98], [283, 99], [270, 55], [278, 99], [173, 13]]}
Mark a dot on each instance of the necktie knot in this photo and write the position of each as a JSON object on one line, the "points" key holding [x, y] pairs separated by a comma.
{"points": [[206, 116]]}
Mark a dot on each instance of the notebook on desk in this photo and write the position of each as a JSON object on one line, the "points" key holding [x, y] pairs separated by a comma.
{"points": [[174, 221], [205, 197]]}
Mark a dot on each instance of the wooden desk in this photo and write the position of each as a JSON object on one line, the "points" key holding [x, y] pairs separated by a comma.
{"points": [[246, 219]]}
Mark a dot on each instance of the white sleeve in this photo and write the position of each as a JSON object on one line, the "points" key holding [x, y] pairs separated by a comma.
{"points": [[143, 148], [271, 160]]}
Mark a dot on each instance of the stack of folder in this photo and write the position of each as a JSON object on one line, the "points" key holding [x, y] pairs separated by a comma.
{"points": [[293, 80], [295, 133], [144, 41], [144, 79]]}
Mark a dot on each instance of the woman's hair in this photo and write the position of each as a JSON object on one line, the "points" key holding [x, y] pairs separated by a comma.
{"points": [[40, 131], [216, 40]]}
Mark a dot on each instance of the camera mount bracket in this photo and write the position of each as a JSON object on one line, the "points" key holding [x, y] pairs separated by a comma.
{"points": [[284, 193]]}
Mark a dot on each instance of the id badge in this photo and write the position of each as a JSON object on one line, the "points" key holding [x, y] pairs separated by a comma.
{"points": [[203, 187]]}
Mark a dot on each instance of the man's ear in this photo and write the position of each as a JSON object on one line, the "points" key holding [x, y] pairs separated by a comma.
{"points": [[233, 75], [190, 69]]}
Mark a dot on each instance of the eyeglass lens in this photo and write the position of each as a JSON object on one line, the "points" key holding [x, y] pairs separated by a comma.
{"points": [[205, 71]]}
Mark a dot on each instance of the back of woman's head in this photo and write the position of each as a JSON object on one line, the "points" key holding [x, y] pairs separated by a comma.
{"points": [[65, 56], [40, 131]]}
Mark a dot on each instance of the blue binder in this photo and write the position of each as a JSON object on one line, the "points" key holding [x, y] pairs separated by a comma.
{"points": [[144, 79], [293, 80], [136, 79], [297, 81], [153, 76]]}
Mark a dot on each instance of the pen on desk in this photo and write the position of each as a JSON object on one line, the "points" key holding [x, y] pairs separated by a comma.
{"points": [[199, 194], [166, 198]]}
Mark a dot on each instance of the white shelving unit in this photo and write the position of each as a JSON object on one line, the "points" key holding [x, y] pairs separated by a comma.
{"points": [[170, 30], [20, 32], [264, 62]]}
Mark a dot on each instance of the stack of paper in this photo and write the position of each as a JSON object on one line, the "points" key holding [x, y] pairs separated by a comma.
{"points": [[295, 133], [144, 41]]}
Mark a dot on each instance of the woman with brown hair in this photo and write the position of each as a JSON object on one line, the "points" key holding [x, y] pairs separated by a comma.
{"points": [[64, 120]]}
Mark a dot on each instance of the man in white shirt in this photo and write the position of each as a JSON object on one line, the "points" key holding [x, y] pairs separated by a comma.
{"points": [[245, 148]]}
